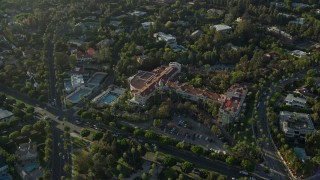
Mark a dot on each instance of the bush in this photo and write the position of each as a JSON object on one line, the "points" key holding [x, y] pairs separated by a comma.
{"points": [[85, 132]]}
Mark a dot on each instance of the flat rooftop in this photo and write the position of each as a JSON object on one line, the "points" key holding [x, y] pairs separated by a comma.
{"points": [[296, 121], [5, 114]]}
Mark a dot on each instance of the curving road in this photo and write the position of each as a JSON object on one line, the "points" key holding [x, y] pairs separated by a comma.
{"points": [[279, 171]]}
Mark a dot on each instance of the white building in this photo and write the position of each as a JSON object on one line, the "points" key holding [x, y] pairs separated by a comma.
{"points": [[146, 25], [299, 53], [290, 100], [77, 80], [298, 21], [221, 28], [196, 33], [138, 13], [295, 124], [160, 36]]}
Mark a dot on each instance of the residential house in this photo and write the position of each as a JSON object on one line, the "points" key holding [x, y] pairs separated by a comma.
{"points": [[279, 33], [170, 40], [142, 58], [222, 28], [216, 11], [88, 55], [119, 30], [196, 33], [104, 43], [76, 80], [182, 23], [298, 53], [305, 93], [299, 5], [28, 166], [160, 36], [115, 23], [5, 115], [138, 13], [295, 125], [86, 26], [298, 21], [291, 100], [76, 42], [278, 4], [146, 25]]}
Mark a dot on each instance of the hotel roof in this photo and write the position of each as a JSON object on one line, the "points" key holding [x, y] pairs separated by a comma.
{"points": [[234, 97], [146, 82], [196, 91]]}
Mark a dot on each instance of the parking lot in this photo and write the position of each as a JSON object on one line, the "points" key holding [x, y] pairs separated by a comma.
{"points": [[187, 129]]}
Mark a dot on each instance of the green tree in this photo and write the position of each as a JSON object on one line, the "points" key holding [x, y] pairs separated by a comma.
{"points": [[157, 123], [169, 161], [40, 125], [3, 126], [97, 136], [85, 132], [247, 165], [14, 135], [150, 134], [3, 140], [197, 150], [26, 130], [138, 132], [187, 167], [231, 160], [181, 145], [30, 109]]}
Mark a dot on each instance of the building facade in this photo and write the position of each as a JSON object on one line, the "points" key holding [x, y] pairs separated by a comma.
{"points": [[296, 125]]}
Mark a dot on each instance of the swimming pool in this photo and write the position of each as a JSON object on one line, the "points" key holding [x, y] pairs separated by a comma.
{"points": [[108, 99], [67, 85], [76, 96], [30, 167]]}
